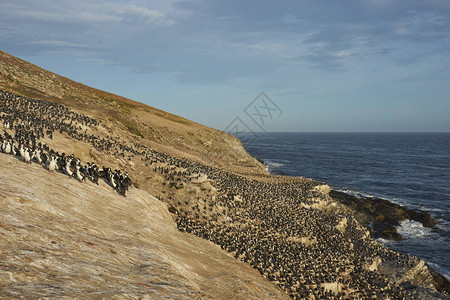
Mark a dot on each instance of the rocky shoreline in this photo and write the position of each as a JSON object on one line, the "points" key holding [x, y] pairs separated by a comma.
{"points": [[381, 217]]}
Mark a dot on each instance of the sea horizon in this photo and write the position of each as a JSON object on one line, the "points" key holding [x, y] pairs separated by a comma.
{"points": [[395, 132]]}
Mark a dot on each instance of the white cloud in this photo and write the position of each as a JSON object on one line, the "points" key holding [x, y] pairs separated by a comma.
{"points": [[341, 54], [133, 13], [84, 11], [56, 43], [67, 52]]}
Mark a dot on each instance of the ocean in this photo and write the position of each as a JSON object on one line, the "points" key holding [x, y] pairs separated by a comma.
{"points": [[411, 169]]}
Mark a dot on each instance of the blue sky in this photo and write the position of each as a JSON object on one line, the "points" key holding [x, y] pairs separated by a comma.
{"points": [[367, 65]]}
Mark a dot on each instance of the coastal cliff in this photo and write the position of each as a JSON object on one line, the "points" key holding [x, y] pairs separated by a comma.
{"points": [[289, 230]]}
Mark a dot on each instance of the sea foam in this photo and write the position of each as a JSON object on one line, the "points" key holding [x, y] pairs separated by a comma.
{"points": [[413, 229]]}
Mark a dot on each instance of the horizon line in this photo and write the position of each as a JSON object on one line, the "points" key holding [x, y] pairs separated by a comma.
{"points": [[257, 132]]}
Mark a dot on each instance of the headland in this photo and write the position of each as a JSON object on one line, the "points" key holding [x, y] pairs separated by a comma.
{"points": [[302, 242]]}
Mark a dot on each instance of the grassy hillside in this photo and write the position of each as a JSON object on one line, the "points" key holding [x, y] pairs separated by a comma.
{"points": [[162, 131]]}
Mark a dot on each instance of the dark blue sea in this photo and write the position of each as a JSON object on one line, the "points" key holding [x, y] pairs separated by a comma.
{"points": [[412, 169]]}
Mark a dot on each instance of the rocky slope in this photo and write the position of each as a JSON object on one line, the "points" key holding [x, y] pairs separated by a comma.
{"points": [[63, 238]]}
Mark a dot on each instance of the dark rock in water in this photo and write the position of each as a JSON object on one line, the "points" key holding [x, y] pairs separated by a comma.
{"points": [[390, 211], [260, 160], [382, 214], [422, 217], [386, 230]]}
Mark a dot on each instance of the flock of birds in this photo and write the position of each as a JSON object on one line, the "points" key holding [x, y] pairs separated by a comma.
{"points": [[28, 120], [274, 226]]}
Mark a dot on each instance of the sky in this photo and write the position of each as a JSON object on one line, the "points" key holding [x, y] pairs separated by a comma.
{"points": [[350, 66]]}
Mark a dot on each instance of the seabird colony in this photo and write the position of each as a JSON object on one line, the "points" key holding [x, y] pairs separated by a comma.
{"points": [[29, 120], [308, 251]]}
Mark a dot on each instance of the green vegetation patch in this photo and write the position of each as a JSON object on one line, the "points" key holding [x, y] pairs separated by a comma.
{"points": [[132, 128]]}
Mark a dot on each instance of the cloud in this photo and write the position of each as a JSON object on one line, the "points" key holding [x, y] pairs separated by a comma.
{"points": [[84, 11], [133, 13], [56, 43], [325, 61], [180, 35], [341, 54]]}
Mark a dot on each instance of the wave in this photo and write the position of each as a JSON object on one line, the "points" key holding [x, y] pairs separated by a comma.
{"points": [[352, 192], [411, 229], [273, 164], [439, 269], [384, 241]]}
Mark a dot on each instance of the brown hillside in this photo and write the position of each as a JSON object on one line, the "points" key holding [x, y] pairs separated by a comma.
{"points": [[160, 130]]}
